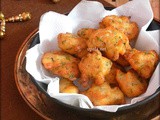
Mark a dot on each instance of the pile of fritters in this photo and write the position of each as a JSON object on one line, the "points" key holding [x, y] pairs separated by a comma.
{"points": [[104, 58]]}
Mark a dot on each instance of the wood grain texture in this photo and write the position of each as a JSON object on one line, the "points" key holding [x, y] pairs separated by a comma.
{"points": [[117, 3], [155, 4], [156, 9]]}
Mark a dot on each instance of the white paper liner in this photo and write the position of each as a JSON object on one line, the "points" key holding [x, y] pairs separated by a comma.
{"points": [[89, 14]]}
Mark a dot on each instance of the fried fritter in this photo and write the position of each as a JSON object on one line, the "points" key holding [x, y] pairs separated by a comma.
{"points": [[67, 86], [85, 32], [131, 83], [110, 41], [111, 76], [143, 62], [121, 23], [72, 44], [62, 64], [122, 61], [94, 67], [104, 94]]}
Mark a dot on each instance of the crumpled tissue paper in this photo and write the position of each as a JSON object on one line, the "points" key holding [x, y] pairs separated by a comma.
{"points": [[87, 14]]}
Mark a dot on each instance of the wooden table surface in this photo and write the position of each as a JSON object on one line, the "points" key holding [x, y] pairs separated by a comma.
{"points": [[155, 4], [13, 107]]}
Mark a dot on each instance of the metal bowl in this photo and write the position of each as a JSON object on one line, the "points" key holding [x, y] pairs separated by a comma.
{"points": [[35, 95]]}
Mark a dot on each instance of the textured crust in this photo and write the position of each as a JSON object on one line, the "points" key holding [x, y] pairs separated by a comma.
{"points": [[67, 86], [111, 41], [85, 32], [122, 61], [94, 66], [111, 76], [143, 62], [62, 64], [131, 83], [105, 95], [121, 23], [72, 44]]}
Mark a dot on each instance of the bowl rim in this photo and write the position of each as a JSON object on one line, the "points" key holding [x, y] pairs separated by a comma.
{"points": [[17, 61]]}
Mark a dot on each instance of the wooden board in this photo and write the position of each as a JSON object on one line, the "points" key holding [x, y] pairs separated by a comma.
{"points": [[117, 3], [156, 9], [155, 4]]}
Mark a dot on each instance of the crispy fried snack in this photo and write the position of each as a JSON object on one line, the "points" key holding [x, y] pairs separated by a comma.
{"points": [[62, 64], [104, 94], [67, 86], [121, 23], [131, 83], [72, 44], [111, 76], [110, 41], [122, 61], [94, 67], [85, 32], [143, 62]]}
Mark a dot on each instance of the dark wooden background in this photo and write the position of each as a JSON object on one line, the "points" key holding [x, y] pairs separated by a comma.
{"points": [[13, 107]]}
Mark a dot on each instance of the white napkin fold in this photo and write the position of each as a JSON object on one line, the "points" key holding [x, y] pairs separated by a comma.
{"points": [[89, 14]]}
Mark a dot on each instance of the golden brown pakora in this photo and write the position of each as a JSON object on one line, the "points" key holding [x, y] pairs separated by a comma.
{"points": [[122, 61], [61, 64], [85, 32], [131, 83], [67, 86], [121, 23], [94, 67], [72, 44], [104, 94], [111, 76], [111, 41], [143, 62]]}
